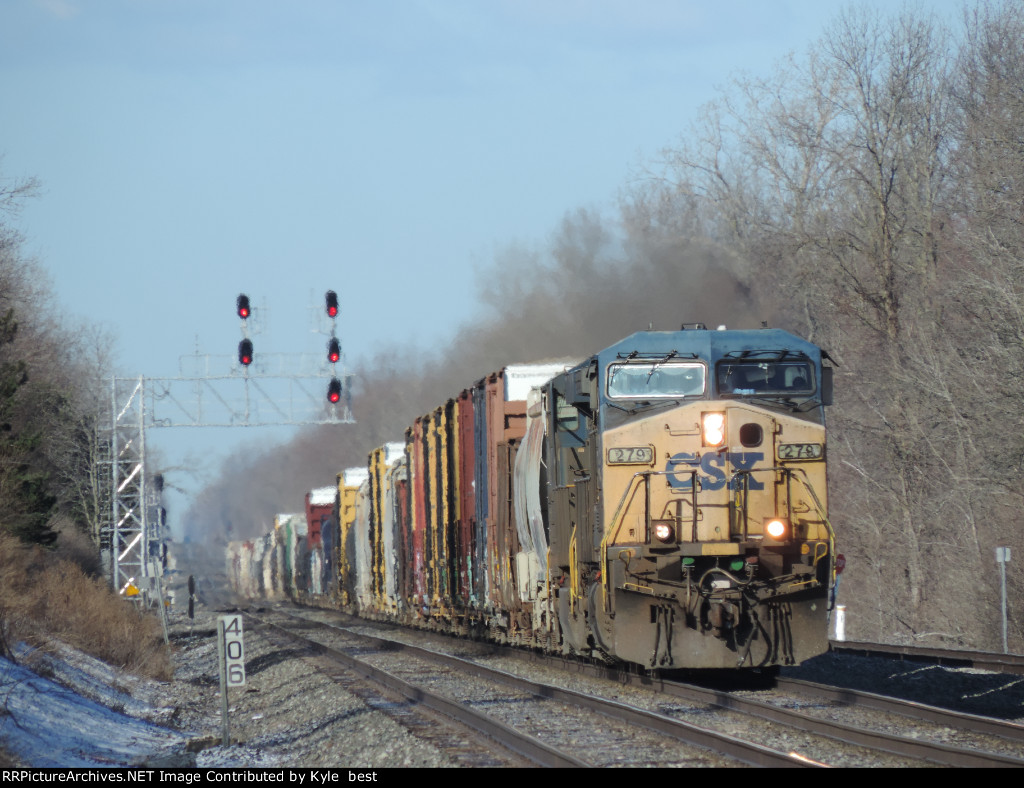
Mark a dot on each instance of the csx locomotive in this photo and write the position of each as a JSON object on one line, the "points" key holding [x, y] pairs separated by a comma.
{"points": [[663, 502]]}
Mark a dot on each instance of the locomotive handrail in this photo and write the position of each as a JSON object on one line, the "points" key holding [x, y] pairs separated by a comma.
{"points": [[618, 517], [790, 473], [574, 573], [828, 524], [613, 532]]}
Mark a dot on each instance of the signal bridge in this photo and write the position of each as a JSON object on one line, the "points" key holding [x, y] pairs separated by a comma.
{"points": [[275, 390], [261, 390]]}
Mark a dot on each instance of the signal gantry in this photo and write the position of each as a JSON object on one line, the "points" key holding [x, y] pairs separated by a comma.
{"points": [[276, 392]]}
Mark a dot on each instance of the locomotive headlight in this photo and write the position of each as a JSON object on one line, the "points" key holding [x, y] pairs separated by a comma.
{"points": [[664, 532], [714, 429], [776, 529]]}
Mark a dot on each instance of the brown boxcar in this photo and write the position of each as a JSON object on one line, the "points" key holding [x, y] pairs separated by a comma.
{"points": [[319, 518]]}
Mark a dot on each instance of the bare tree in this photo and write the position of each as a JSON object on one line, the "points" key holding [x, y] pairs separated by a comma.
{"points": [[829, 176], [48, 396]]}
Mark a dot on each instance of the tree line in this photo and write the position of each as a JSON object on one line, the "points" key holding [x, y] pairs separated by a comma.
{"points": [[874, 189], [52, 378]]}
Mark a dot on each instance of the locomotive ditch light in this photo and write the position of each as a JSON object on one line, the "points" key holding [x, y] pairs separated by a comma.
{"points": [[776, 529], [714, 428], [664, 532]]}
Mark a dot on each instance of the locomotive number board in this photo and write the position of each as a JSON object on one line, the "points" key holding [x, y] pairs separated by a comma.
{"points": [[631, 455], [800, 451]]}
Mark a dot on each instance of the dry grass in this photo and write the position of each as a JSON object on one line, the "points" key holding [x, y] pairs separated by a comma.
{"points": [[44, 596]]}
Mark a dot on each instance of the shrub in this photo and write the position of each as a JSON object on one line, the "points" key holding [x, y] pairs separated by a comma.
{"points": [[43, 596]]}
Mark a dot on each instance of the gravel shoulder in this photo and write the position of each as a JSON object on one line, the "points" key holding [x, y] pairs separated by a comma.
{"points": [[288, 714]]}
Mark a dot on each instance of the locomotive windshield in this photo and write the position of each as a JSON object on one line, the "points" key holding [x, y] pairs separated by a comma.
{"points": [[655, 379], [762, 376]]}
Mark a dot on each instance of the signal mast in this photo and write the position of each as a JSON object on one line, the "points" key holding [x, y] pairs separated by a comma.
{"points": [[333, 347]]}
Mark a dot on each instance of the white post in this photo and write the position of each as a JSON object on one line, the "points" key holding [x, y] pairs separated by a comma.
{"points": [[840, 623], [1003, 558]]}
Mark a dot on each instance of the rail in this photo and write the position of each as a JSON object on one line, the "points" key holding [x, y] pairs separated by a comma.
{"points": [[903, 746], [982, 660], [744, 751]]}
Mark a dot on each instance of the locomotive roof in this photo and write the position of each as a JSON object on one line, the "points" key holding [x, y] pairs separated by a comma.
{"points": [[707, 344]]}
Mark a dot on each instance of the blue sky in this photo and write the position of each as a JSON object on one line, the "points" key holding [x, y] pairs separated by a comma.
{"points": [[189, 150]]}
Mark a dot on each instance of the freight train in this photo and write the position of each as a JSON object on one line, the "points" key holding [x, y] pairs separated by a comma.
{"points": [[662, 502]]}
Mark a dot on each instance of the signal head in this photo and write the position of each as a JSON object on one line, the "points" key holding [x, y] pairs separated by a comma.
{"points": [[333, 351], [334, 391], [242, 306], [245, 352], [332, 304]]}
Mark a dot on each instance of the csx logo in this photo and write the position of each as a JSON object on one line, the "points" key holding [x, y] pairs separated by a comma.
{"points": [[681, 466]]}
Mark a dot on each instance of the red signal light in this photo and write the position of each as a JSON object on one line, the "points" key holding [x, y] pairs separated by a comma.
{"points": [[333, 350], [334, 391], [245, 352], [332, 304], [242, 305]]}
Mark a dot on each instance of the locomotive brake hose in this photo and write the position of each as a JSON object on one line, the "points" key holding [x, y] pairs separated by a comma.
{"points": [[756, 626], [752, 612], [719, 570]]}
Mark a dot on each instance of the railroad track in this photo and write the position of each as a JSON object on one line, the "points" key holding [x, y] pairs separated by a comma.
{"points": [[982, 660], [547, 724], [860, 746], [403, 700], [780, 711], [921, 712], [786, 711]]}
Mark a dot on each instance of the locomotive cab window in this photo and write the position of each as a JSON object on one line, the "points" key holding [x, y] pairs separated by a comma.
{"points": [[655, 380], [760, 376]]}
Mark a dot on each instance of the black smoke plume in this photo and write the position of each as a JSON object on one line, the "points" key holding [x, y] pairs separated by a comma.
{"points": [[593, 283]]}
